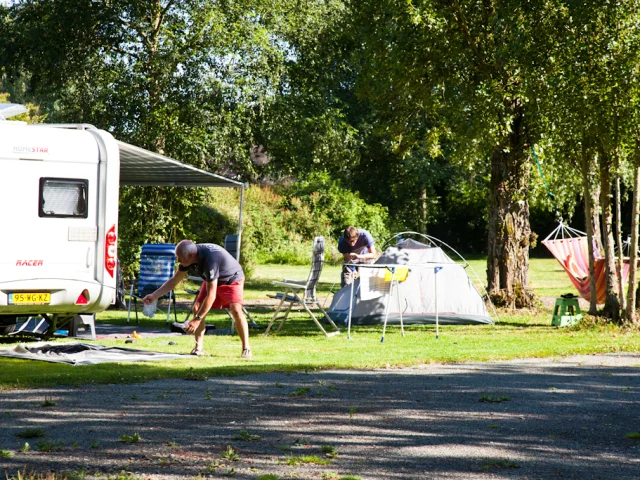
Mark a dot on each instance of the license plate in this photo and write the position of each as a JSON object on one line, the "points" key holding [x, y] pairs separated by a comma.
{"points": [[29, 298]]}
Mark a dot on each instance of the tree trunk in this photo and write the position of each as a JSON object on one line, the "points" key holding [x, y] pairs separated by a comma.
{"points": [[595, 219], [633, 250], [510, 233], [620, 260], [589, 214], [612, 303]]}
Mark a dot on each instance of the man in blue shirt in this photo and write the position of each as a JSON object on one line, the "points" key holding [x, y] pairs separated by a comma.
{"points": [[356, 246]]}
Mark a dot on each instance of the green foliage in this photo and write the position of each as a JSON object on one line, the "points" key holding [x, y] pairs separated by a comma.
{"points": [[299, 392], [390, 114], [313, 459], [494, 464], [51, 446], [494, 398], [185, 79], [279, 223], [152, 215], [208, 224], [194, 375], [32, 115], [130, 438], [124, 475], [230, 454], [246, 436], [31, 433], [380, 86], [313, 128], [325, 196], [277, 234], [329, 451], [270, 234], [310, 136], [48, 402]]}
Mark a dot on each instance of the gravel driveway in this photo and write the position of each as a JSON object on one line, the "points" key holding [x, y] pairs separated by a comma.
{"points": [[529, 419]]}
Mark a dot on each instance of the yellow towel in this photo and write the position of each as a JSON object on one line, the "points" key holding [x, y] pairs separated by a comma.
{"points": [[400, 274]]}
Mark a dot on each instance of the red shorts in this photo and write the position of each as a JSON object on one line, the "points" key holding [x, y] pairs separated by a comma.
{"points": [[225, 295]]}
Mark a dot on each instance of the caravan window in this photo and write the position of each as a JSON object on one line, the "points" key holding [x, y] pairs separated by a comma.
{"points": [[63, 197]]}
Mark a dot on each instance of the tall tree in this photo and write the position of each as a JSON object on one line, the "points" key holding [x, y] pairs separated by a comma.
{"points": [[185, 78], [473, 65], [593, 109]]}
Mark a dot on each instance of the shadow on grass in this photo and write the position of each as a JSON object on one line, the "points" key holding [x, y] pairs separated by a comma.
{"points": [[391, 424]]}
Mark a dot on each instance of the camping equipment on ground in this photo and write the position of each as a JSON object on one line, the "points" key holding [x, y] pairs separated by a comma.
{"points": [[566, 311], [83, 353], [38, 326]]}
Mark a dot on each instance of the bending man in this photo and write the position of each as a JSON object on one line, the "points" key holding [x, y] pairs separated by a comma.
{"points": [[356, 246], [224, 282]]}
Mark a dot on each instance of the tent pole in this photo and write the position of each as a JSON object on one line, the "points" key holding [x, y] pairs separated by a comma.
{"points": [[435, 285], [240, 222], [353, 281], [399, 306], [386, 310]]}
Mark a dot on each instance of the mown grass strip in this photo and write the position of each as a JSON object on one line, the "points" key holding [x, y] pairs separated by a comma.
{"points": [[516, 335]]}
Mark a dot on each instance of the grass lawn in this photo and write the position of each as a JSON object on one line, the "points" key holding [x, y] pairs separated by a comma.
{"points": [[301, 346]]}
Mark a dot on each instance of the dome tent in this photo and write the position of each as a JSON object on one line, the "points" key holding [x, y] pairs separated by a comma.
{"points": [[458, 301]]}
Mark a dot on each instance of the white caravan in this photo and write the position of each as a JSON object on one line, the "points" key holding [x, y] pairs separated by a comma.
{"points": [[59, 187]]}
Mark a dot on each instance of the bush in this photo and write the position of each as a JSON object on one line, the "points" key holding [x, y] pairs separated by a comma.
{"points": [[280, 223], [338, 206], [271, 233], [153, 215]]}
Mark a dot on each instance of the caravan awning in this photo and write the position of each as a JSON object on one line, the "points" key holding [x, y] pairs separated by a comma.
{"points": [[143, 167]]}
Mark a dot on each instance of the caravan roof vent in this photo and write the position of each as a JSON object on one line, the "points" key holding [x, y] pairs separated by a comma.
{"points": [[8, 110]]}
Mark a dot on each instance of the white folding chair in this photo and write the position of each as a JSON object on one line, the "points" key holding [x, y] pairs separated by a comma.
{"points": [[303, 293]]}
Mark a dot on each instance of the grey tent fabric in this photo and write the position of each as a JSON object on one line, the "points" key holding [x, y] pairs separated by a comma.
{"points": [[82, 353], [458, 301]]}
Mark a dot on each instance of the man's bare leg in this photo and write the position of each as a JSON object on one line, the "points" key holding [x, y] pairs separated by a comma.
{"points": [[240, 322], [199, 335]]}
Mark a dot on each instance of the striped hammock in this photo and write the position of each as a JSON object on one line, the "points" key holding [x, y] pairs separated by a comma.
{"points": [[569, 246]]}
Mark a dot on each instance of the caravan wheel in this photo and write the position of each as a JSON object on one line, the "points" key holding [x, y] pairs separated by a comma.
{"points": [[7, 329], [8, 324]]}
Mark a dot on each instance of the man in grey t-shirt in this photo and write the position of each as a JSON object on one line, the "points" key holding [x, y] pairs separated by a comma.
{"points": [[223, 288], [214, 262]]}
